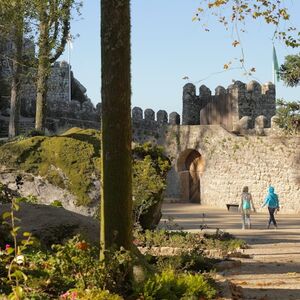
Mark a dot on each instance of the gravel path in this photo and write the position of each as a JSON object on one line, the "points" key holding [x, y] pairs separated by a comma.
{"points": [[272, 270]]}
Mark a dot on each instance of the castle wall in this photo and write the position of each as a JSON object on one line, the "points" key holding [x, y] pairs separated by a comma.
{"points": [[231, 162], [227, 106]]}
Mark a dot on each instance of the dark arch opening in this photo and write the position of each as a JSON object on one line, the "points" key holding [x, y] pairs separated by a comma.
{"points": [[190, 166]]}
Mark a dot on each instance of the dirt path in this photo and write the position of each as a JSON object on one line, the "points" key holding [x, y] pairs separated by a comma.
{"points": [[272, 270]]}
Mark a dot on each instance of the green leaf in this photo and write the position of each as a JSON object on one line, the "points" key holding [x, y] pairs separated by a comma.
{"points": [[10, 250], [6, 215], [19, 275], [15, 206]]}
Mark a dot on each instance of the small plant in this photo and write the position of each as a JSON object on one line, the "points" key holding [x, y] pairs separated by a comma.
{"points": [[203, 225], [29, 199], [13, 256], [89, 294], [170, 224], [56, 203], [169, 285]]}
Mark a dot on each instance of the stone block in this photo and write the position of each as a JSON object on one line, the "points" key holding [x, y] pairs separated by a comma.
{"points": [[137, 114], [174, 118], [274, 124], [254, 87], [162, 117], [149, 114], [220, 90], [204, 91], [260, 124], [244, 124]]}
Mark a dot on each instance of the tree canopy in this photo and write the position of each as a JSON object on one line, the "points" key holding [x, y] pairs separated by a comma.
{"points": [[290, 70]]}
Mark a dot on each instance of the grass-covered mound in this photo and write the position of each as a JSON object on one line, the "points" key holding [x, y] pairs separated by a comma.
{"points": [[69, 161]]}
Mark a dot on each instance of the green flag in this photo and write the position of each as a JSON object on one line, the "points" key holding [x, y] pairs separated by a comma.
{"points": [[276, 76]]}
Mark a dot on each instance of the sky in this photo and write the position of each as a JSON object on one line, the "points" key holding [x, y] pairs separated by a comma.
{"points": [[167, 47]]}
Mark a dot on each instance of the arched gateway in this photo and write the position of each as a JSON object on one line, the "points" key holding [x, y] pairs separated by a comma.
{"points": [[190, 166]]}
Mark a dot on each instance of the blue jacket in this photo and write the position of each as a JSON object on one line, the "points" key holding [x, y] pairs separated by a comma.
{"points": [[272, 199]]}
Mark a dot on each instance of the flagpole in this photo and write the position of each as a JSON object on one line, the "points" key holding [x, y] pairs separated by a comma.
{"points": [[69, 63], [273, 65]]}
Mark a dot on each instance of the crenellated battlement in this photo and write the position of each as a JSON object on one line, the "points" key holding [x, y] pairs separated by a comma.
{"points": [[149, 117], [227, 107]]}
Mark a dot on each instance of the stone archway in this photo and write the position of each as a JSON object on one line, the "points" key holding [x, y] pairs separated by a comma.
{"points": [[190, 166]]}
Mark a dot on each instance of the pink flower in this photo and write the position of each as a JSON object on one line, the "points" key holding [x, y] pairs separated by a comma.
{"points": [[74, 295], [71, 296], [7, 246], [65, 295]]}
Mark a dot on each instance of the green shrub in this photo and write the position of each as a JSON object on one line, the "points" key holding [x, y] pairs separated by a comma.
{"points": [[224, 241], [150, 168], [192, 261], [76, 265], [56, 203], [165, 238], [172, 286], [29, 199], [288, 115], [97, 294], [188, 241]]}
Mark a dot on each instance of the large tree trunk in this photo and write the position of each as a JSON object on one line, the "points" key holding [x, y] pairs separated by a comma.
{"points": [[14, 108], [41, 103], [15, 104], [42, 77], [116, 202]]}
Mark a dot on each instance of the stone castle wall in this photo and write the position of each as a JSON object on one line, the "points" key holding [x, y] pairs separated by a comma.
{"points": [[247, 149], [228, 162], [59, 106], [227, 106]]}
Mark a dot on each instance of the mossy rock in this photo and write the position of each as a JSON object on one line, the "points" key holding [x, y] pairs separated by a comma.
{"points": [[71, 161], [66, 161]]}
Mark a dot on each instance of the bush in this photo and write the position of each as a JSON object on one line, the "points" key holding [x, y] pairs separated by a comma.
{"points": [[95, 294], [288, 115], [150, 168], [187, 240], [223, 241], [171, 286], [192, 261], [76, 265]]}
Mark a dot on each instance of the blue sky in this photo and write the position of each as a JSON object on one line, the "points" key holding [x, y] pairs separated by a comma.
{"points": [[167, 46]]}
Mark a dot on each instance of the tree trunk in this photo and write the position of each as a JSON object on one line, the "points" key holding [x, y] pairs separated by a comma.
{"points": [[15, 104], [116, 193], [41, 102], [42, 77], [14, 108]]}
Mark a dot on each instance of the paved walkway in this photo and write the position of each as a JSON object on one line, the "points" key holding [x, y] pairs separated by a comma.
{"points": [[273, 271]]}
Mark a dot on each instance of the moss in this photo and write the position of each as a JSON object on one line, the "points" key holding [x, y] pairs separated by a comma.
{"points": [[55, 178], [76, 153]]}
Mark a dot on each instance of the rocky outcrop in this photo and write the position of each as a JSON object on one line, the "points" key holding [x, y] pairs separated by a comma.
{"points": [[37, 187]]}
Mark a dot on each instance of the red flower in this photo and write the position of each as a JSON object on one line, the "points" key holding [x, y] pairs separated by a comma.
{"points": [[82, 245]]}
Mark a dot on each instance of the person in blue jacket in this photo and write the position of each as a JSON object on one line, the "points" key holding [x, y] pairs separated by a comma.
{"points": [[272, 202]]}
